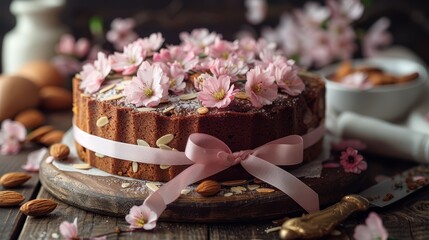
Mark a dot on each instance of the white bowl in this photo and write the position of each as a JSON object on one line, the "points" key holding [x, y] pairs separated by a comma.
{"points": [[387, 102]]}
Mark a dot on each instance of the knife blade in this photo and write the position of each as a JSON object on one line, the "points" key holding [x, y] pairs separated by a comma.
{"points": [[390, 190]]}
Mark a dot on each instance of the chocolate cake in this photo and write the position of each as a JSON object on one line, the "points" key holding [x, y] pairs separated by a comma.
{"points": [[243, 121]]}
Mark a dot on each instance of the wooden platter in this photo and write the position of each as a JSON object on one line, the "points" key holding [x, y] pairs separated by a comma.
{"points": [[110, 196]]}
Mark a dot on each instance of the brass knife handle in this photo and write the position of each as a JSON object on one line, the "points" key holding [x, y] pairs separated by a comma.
{"points": [[320, 223]]}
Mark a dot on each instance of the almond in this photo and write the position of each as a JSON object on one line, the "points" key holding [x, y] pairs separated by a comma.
{"points": [[52, 137], [30, 118], [208, 188], [55, 98], [14, 179], [59, 151], [10, 198], [38, 207], [36, 134]]}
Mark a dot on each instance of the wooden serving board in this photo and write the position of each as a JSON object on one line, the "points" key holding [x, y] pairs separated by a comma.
{"points": [[106, 195]]}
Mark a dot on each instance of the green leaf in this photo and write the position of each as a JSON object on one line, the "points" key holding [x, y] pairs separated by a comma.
{"points": [[96, 25]]}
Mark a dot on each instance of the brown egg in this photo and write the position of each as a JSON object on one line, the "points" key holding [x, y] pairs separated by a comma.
{"points": [[55, 98], [16, 94], [42, 73]]}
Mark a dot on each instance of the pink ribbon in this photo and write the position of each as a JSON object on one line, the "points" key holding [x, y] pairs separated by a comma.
{"points": [[208, 155]]}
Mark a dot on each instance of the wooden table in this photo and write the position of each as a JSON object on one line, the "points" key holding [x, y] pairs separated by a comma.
{"points": [[406, 219]]}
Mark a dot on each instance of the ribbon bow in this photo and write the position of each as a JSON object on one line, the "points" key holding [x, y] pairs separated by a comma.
{"points": [[210, 156]]}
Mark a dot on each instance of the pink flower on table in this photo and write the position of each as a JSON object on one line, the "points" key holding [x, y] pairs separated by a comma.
{"points": [[221, 49], [352, 161], [376, 37], [150, 44], [188, 60], [128, 61], [373, 229], [197, 40], [148, 87], [69, 46], [141, 217], [217, 92], [121, 32], [348, 9], [286, 76], [94, 74], [69, 230], [33, 160], [260, 87], [11, 135], [358, 80], [256, 11]]}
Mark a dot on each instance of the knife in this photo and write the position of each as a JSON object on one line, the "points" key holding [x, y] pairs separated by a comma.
{"points": [[320, 223]]}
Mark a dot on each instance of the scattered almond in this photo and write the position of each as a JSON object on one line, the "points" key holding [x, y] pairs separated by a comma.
{"points": [[52, 137], [228, 194], [102, 121], [59, 151], [233, 183], [202, 110], [252, 187], [38, 207], [185, 191], [265, 190], [82, 166], [163, 167], [30, 118], [14, 179], [208, 188], [55, 98], [99, 155], [165, 147], [113, 97], [107, 88], [10, 198], [168, 109], [241, 95], [142, 142], [166, 139], [135, 167], [188, 96], [36, 134], [146, 109], [125, 185], [152, 186]]}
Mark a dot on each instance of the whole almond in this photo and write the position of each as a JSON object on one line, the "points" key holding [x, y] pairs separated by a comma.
{"points": [[208, 188], [59, 151], [35, 135], [38, 207], [56, 98], [10, 198], [52, 137], [30, 118], [14, 179]]}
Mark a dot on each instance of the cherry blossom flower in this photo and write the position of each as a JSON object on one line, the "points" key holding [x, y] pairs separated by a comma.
{"points": [[33, 160], [313, 14], [67, 65], [150, 44], [121, 32], [286, 77], [176, 76], [221, 49], [344, 144], [198, 81], [287, 35], [256, 11], [372, 229], [141, 217], [69, 230], [376, 37], [217, 92], [148, 87], [69, 46], [188, 60], [260, 87], [348, 9], [197, 40], [94, 74], [317, 48], [128, 61], [352, 161], [12, 133], [232, 67], [342, 38], [358, 80]]}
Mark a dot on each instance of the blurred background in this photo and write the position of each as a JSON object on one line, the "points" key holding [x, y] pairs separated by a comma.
{"points": [[409, 19]]}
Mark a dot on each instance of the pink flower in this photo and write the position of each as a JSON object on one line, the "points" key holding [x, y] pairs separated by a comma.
{"points": [[232, 67], [342, 38], [349, 9], [373, 229], [150, 44], [287, 35], [67, 65], [11, 134], [33, 160], [256, 11], [148, 87], [141, 217], [376, 37], [197, 40], [187, 60], [69, 230], [121, 32], [69, 46], [344, 144], [287, 78], [358, 80], [217, 92], [176, 76], [313, 14], [352, 161], [221, 49], [317, 48], [198, 81], [260, 87], [94, 74], [128, 61]]}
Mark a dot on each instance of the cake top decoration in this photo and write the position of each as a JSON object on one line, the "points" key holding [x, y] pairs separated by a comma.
{"points": [[204, 64]]}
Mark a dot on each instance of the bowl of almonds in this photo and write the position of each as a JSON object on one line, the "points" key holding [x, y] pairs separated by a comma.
{"points": [[384, 88]]}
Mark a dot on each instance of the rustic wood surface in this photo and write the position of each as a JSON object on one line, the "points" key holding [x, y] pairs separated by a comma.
{"points": [[406, 219]]}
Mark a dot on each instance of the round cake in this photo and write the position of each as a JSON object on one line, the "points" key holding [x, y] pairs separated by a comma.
{"points": [[244, 93]]}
